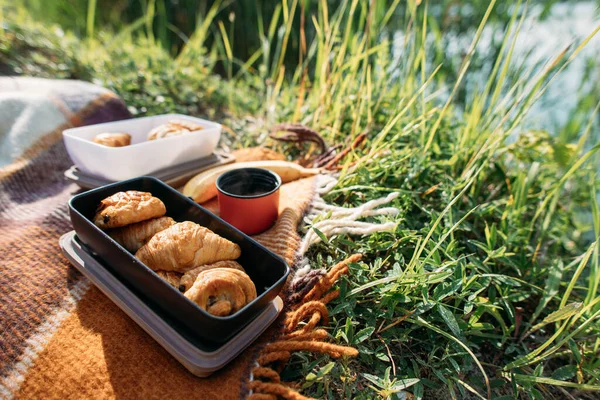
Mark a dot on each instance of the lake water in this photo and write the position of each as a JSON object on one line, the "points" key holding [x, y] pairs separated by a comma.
{"points": [[568, 23], [539, 42]]}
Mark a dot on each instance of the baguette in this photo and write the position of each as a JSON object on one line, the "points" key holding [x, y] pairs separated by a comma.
{"points": [[203, 186]]}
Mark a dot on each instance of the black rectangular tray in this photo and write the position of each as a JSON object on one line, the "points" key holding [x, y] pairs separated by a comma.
{"points": [[200, 357], [267, 270]]}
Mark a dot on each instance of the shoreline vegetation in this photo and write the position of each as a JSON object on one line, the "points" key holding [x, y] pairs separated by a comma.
{"points": [[489, 285]]}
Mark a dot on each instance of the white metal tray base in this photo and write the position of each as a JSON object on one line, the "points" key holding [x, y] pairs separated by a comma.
{"points": [[199, 361]]}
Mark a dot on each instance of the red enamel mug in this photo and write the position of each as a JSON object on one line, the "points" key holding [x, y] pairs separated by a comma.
{"points": [[249, 198]]}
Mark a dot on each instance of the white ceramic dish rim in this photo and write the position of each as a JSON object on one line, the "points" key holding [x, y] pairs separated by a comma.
{"points": [[72, 132]]}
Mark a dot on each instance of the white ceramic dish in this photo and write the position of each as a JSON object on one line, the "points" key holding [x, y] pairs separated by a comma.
{"points": [[143, 156]]}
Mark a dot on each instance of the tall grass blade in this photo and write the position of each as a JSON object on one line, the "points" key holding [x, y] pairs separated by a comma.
{"points": [[555, 382], [126, 33], [537, 355], [463, 70], [555, 192], [555, 273], [91, 18], [594, 276], [194, 45], [422, 322]]}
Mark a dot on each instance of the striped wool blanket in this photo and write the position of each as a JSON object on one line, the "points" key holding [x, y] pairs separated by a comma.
{"points": [[60, 337]]}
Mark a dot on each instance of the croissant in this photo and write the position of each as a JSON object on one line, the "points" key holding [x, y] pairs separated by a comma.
{"points": [[172, 278], [173, 128], [113, 139], [184, 246], [124, 208], [222, 291], [134, 236], [188, 279]]}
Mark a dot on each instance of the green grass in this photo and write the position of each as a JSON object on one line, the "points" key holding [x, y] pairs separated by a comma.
{"points": [[488, 287]]}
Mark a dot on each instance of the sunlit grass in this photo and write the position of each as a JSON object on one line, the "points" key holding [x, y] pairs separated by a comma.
{"points": [[489, 284]]}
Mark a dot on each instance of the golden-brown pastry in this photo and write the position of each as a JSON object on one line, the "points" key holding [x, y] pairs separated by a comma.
{"points": [[124, 208], [134, 236], [256, 154], [172, 278], [184, 246], [184, 124], [113, 139], [222, 291], [188, 279], [173, 128]]}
